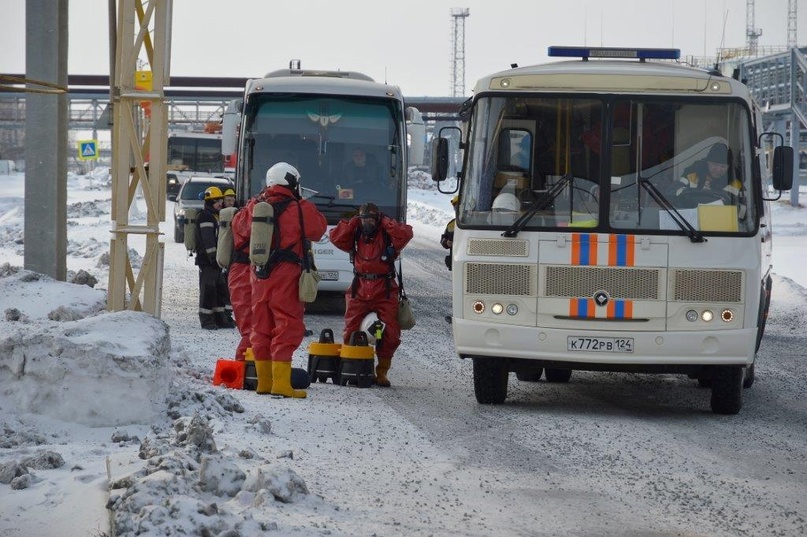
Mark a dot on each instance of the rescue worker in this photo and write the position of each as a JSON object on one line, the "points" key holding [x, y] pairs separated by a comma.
{"points": [[213, 294], [277, 313], [711, 174], [229, 198], [374, 241], [447, 238], [240, 285]]}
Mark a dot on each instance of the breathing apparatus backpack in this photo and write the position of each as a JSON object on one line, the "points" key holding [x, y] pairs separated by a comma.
{"points": [[224, 247], [189, 226], [260, 238]]}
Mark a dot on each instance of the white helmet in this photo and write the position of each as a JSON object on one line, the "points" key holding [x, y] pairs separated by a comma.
{"points": [[506, 202], [371, 325], [283, 174]]}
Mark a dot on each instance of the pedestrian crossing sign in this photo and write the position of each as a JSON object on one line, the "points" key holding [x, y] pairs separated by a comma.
{"points": [[88, 150]]}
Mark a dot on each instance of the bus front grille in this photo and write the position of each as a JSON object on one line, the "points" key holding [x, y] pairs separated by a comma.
{"points": [[498, 247], [619, 282], [500, 279], [691, 285]]}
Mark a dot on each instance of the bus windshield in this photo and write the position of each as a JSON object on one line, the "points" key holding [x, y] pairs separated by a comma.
{"points": [[614, 164], [348, 150]]}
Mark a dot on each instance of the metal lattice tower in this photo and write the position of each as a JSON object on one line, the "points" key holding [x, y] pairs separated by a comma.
{"points": [[751, 34], [791, 23], [458, 16]]}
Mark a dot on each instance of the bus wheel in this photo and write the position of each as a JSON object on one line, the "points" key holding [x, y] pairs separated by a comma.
{"points": [[532, 375], [490, 380], [705, 382], [748, 381], [727, 389], [558, 375]]}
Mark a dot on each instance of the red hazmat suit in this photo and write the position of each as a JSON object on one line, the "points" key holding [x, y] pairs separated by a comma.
{"points": [[240, 286], [375, 288], [277, 313]]}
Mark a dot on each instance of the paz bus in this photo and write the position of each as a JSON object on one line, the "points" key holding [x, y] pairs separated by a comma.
{"points": [[315, 121], [577, 246]]}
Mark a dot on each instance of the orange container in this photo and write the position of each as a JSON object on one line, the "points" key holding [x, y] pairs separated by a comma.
{"points": [[230, 374]]}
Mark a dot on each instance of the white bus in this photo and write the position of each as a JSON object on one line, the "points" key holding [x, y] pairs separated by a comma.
{"points": [[316, 121], [579, 247]]}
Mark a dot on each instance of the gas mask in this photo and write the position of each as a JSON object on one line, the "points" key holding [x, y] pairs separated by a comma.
{"points": [[370, 216], [368, 226]]}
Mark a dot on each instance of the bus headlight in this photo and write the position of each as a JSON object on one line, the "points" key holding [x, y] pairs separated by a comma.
{"points": [[478, 306], [497, 308], [707, 315], [692, 316], [512, 309], [727, 316]]}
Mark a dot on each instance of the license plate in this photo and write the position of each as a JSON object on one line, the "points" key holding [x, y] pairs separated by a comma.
{"points": [[599, 344], [330, 275]]}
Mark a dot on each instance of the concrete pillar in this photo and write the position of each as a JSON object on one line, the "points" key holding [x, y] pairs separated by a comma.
{"points": [[46, 139]]}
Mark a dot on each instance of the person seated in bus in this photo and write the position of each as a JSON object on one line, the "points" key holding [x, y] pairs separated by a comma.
{"points": [[361, 169], [711, 174]]}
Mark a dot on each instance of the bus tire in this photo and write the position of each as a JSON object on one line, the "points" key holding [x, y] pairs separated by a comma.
{"points": [[764, 305], [490, 380], [558, 375], [748, 381], [532, 375], [727, 389]]}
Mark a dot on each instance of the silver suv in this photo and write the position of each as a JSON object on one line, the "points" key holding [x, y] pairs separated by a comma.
{"points": [[191, 196]]}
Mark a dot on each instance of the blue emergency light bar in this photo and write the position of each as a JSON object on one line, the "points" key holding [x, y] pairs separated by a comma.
{"points": [[610, 52]]}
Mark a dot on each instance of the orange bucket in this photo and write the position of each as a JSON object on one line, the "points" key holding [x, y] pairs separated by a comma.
{"points": [[230, 374]]}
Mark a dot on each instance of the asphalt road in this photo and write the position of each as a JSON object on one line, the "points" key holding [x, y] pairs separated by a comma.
{"points": [[604, 454]]}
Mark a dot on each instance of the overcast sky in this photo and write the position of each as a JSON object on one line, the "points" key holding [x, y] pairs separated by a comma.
{"points": [[407, 43]]}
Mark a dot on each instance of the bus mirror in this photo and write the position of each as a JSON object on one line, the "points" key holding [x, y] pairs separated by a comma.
{"points": [[439, 167], [416, 134], [229, 127], [783, 167]]}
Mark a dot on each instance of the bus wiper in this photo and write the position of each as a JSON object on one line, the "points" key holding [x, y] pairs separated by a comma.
{"points": [[545, 201], [693, 234], [330, 201]]}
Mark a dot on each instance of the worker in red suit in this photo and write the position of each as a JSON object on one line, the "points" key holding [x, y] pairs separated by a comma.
{"points": [[239, 282], [277, 311], [374, 241]]}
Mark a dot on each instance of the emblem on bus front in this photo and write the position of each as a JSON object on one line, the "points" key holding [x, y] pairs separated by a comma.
{"points": [[601, 298]]}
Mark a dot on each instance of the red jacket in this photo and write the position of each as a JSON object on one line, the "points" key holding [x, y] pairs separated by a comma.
{"points": [[370, 257]]}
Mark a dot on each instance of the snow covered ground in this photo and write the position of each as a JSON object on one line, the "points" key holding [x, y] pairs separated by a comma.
{"points": [[117, 410]]}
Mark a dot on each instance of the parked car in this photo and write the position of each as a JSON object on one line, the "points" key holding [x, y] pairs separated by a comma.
{"points": [[190, 196], [172, 185]]}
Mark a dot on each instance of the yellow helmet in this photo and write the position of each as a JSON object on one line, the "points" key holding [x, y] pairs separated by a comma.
{"points": [[213, 193], [455, 200], [229, 192]]}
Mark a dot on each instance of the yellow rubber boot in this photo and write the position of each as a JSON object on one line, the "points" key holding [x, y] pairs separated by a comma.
{"points": [[381, 372], [281, 384], [263, 370]]}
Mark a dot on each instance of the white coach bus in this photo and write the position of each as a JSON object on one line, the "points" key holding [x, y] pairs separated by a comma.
{"points": [[318, 121], [594, 232]]}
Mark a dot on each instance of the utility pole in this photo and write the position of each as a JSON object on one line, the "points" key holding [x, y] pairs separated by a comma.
{"points": [[139, 136], [458, 16], [792, 18], [751, 33]]}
